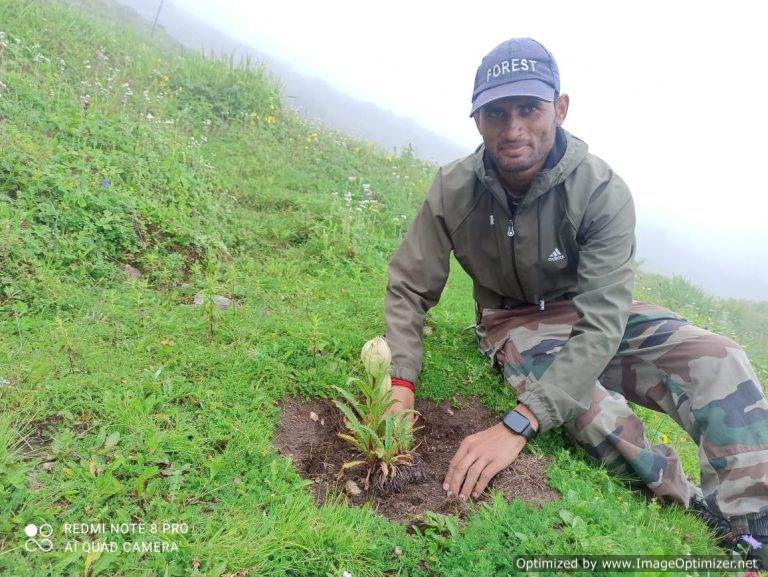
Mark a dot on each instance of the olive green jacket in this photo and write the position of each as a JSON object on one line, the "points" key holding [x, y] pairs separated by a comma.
{"points": [[573, 232]]}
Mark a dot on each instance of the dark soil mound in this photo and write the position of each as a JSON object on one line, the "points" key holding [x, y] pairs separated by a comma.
{"points": [[318, 454]]}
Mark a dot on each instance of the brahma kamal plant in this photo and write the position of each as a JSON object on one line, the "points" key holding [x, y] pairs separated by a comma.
{"points": [[385, 441]]}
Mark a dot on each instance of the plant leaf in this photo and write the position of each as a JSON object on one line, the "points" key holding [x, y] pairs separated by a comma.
{"points": [[349, 414], [112, 440]]}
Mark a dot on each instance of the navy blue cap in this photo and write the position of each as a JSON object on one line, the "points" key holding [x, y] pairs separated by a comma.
{"points": [[516, 67]]}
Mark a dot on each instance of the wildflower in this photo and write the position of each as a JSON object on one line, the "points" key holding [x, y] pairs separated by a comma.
{"points": [[3, 86], [751, 541], [665, 438], [40, 58], [105, 183]]}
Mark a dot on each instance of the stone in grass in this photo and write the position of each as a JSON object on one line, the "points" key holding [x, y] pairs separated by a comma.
{"points": [[220, 301], [131, 273]]}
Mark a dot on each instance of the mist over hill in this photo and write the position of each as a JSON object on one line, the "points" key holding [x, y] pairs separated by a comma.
{"points": [[314, 98]]}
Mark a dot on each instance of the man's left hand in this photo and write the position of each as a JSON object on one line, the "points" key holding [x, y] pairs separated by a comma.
{"points": [[479, 458]]}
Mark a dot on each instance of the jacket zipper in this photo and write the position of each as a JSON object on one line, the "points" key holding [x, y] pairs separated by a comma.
{"points": [[511, 235]]}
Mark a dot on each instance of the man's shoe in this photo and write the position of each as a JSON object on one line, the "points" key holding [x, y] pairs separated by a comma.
{"points": [[720, 526], [742, 544]]}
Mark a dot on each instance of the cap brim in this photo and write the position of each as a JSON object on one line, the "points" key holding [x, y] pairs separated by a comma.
{"points": [[535, 88]]}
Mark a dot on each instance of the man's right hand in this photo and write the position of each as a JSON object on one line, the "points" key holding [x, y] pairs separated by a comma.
{"points": [[405, 400]]}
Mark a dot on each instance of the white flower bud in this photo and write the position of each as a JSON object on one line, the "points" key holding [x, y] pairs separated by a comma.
{"points": [[376, 357]]}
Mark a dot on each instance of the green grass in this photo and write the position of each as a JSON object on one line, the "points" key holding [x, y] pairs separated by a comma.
{"points": [[152, 410]]}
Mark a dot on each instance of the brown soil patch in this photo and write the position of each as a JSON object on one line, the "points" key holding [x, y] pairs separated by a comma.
{"points": [[318, 453]]}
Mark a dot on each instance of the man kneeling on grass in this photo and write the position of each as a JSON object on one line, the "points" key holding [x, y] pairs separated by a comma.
{"points": [[546, 231]]}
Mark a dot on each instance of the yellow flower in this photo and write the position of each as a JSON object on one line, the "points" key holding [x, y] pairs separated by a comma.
{"points": [[664, 438]]}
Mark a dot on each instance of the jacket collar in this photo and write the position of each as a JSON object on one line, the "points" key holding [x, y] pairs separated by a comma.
{"points": [[566, 154]]}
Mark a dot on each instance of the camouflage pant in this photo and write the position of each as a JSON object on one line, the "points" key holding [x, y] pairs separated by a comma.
{"points": [[703, 380]]}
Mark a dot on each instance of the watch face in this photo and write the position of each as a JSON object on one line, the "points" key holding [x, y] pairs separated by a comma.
{"points": [[516, 421]]}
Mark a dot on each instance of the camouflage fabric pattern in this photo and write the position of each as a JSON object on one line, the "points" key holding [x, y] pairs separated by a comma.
{"points": [[703, 380]]}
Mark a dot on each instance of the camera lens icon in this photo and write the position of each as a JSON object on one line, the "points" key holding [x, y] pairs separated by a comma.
{"points": [[44, 531]]}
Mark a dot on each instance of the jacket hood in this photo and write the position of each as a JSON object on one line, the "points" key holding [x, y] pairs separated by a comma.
{"points": [[575, 153]]}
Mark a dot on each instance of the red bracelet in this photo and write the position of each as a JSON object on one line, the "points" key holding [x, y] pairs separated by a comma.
{"points": [[404, 383]]}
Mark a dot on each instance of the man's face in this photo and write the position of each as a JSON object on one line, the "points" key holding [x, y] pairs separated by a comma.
{"points": [[519, 131]]}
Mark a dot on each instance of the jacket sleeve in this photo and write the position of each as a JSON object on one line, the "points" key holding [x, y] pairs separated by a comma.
{"points": [[606, 274], [417, 275]]}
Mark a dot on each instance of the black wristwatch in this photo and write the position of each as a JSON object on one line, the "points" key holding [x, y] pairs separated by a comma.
{"points": [[519, 423]]}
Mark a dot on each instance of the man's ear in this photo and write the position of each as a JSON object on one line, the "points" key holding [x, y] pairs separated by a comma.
{"points": [[561, 108], [477, 120]]}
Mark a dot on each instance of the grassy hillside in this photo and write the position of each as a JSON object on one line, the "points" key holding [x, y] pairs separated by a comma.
{"points": [[121, 403]]}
